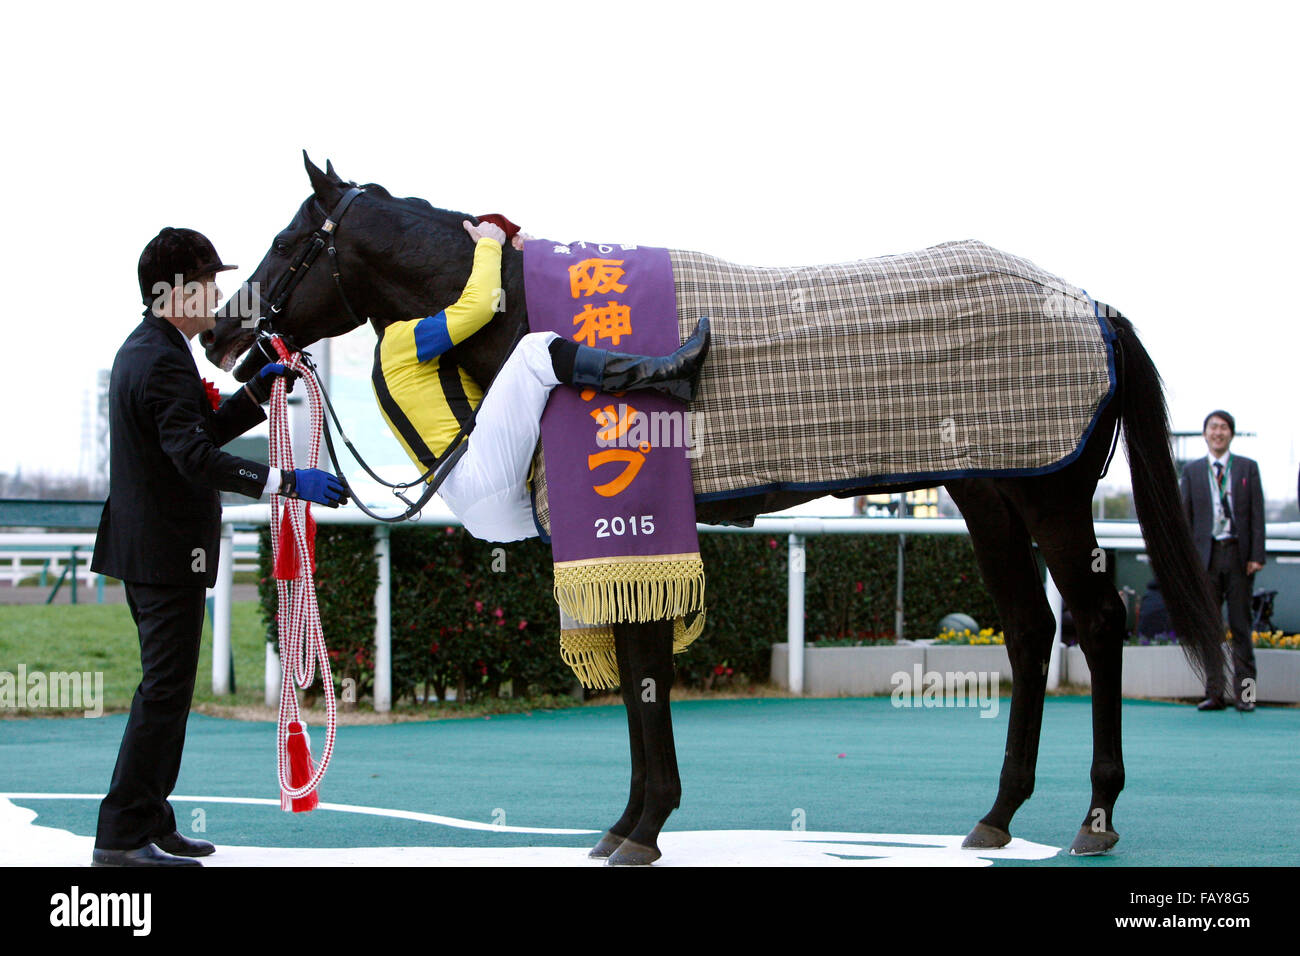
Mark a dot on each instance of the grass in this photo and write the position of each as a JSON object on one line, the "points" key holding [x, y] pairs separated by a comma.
{"points": [[102, 637]]}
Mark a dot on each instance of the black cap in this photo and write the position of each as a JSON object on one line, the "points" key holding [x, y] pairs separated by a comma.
{"points": [[176, 252], [1220, 413]]}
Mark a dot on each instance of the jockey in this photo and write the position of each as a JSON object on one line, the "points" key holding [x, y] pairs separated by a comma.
{"points": [[426, 401]]}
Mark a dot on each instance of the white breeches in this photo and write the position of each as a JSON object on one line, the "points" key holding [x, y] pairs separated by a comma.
{"points": [[487, 489]]}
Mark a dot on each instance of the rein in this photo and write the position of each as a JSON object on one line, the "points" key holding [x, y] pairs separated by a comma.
{"points": [[303, 651]]}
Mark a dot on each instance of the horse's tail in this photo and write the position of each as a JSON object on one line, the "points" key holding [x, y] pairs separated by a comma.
{"points": [[1183, 581]]}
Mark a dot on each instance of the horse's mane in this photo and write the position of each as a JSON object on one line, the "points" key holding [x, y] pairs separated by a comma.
{"points": [[419, 208]]}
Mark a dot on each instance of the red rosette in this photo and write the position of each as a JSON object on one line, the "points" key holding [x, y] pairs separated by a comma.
{"points": [[214, 394]]}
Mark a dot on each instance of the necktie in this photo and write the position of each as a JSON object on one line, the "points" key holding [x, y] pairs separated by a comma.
{"points": [[1223, 522]]}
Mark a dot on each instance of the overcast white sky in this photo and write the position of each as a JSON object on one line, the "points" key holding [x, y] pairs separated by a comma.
{"points": [[1144, 151]]}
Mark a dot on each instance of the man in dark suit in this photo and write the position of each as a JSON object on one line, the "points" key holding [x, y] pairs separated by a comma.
{"points": [[1225, 505], [160, 530]]}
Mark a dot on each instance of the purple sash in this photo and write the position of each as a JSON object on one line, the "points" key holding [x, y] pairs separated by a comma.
{"points": [[622, 505]]}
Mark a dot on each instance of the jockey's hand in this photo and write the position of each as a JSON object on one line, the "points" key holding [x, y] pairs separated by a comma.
{"points": [[313, 484], [485, 230], [519, 240], [259, 386]]}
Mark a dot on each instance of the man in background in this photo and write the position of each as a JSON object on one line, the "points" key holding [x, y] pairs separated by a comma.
{"points": [[1225, 505]]}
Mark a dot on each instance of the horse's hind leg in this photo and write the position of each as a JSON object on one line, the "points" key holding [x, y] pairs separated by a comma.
{"points": [[645, 658], [1006, 559]]}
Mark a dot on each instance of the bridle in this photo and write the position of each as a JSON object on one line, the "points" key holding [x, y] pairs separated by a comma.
{"points": [[323, 239]]}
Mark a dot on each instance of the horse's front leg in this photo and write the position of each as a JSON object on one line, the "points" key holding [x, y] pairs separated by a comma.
{"points": [[616, 834], [645, 666]]}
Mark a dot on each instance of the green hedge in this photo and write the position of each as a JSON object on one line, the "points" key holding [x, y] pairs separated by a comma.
{"points": [[469, 615]]}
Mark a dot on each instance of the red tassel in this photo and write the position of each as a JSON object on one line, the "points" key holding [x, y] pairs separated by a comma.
{"points": [[301, 768], [311, 538], [286, 558]]}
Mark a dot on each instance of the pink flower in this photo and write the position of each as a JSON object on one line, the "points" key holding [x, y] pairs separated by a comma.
{"points": [[522, 625], [499, 613], [771, 543], [719, 670], [478, 606], [858, 587], [451, 530]]}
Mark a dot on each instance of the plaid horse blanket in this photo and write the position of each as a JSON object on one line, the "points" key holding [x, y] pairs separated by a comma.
{"points": [[954, 361]]}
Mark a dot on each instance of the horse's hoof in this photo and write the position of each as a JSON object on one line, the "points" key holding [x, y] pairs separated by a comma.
{"points": [[631, 853], [607, 845], [985, 837], [1090, 842]]}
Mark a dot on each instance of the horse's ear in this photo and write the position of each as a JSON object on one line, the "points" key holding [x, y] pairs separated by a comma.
{"points": [[329, 171], [321, 183]]}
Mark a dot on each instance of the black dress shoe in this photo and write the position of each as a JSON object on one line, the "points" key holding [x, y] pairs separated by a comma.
{"points": [[147, 855], [1245, 706], [179, 845], [1211, 703]]}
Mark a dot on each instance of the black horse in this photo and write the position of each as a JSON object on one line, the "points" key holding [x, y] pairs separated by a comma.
{"points": [[398, 258]]}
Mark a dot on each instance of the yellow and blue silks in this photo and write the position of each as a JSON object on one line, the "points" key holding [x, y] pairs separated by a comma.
{"points": [[424, 398]]}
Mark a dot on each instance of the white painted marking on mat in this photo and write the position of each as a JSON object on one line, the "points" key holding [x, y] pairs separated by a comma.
{"points": [[23, 843], [338, 807]]}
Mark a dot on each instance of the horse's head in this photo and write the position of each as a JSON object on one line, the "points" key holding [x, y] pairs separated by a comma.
{"points": [[397, 259]]}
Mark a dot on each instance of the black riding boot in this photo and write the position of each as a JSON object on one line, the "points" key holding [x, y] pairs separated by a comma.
{"points": [[676, 375]]}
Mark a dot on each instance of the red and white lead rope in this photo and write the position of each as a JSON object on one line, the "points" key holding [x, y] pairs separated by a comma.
{"points": [[302, 640]]}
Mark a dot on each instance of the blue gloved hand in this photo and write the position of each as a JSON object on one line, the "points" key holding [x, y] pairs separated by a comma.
{"points": [[313, 484], [259, 386]]}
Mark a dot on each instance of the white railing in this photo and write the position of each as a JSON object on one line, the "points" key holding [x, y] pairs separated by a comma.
{"points": [[1119, 535], [26, 554]]}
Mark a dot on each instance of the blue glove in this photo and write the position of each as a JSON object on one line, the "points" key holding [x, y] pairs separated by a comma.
{"points": [[313, 484], [259, 386]]}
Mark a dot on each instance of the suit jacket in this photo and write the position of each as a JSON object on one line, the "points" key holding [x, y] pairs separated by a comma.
{"points": [[162, 521], [1247, 507]]}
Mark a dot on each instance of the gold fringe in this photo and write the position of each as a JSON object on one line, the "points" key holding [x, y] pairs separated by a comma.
{"points": [[589, 651], [683, 636], [630, 590]]}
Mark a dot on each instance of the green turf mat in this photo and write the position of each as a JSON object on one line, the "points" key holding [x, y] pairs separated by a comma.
{"points": [[1219, 788]]}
